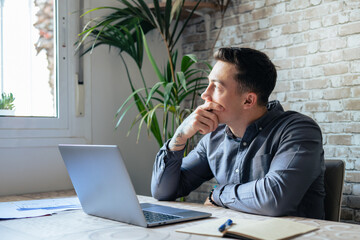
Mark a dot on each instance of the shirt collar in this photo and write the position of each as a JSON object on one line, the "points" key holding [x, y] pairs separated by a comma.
{"points": [[274, 109], [229, 133]]}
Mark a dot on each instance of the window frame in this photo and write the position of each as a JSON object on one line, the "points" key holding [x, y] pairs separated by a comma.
{"points": [[49, 131]]}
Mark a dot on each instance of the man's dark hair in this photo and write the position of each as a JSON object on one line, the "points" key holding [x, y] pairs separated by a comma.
{"points": [[256, 73]]}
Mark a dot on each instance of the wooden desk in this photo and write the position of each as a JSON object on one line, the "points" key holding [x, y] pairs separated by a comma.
{"points": [[77, 225]]}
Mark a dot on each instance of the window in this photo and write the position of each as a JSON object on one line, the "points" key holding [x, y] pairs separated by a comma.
{"points": [[28, 60], [44, 108]]}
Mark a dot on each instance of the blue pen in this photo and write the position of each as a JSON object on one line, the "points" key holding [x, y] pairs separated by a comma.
{"points": [[226, 225]]}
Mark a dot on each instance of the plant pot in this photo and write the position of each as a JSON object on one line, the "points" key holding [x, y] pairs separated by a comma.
{"points": [[7, 112]]}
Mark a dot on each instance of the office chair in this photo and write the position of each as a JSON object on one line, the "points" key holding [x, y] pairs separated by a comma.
{"points": [[334, 181]]}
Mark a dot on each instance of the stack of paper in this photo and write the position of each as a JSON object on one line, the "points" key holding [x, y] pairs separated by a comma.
{"points": [[34, 208]]}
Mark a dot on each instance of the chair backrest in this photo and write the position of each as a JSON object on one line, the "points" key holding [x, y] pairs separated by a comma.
{"points": [[334, 181]]}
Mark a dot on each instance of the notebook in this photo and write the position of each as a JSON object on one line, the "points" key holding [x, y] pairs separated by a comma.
{"points": [[104, 188], [269, 229]]}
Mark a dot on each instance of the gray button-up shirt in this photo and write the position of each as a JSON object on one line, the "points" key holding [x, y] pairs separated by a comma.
{"points": [[276, 169]]}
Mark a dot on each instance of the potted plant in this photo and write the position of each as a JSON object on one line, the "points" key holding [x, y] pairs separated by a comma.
{"points": [[125, 28], [7, 106]]}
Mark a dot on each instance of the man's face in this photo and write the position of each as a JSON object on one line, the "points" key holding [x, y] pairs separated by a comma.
{"points": [[224, 90]]}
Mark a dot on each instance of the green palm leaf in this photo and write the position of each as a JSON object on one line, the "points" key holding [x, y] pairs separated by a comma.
{"points": [[152, 60], [125, 29]]}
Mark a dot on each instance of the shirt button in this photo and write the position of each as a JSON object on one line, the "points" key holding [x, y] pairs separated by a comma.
{"points": [[244, 144], [260, 128], [236, 170]]}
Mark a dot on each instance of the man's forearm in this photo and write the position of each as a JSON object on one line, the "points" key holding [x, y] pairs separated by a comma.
{"points": [[171, 176], [165, 177], [177, 142]]}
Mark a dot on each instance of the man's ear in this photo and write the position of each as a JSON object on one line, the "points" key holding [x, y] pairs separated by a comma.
{"points": [[250, 100]]}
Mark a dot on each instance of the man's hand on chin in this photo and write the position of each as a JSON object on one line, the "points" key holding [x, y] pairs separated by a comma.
{"points": [[202, 120]]}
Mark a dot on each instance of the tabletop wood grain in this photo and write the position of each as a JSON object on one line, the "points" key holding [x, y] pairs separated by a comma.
{"points": [[70, 225]]}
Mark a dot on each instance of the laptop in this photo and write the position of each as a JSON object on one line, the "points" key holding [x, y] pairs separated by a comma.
{"points": [[104, 188]]}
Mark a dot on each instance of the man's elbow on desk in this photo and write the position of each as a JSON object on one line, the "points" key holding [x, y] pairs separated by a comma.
{"points": [[269, 205], [265, 210], [161, 195], [276, 207], [274, 212]]}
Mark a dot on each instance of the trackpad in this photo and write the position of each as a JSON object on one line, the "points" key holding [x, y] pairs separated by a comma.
{"points": [[161, 209]]}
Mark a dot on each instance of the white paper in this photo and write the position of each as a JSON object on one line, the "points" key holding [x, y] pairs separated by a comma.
{"points": [[35, 208]]}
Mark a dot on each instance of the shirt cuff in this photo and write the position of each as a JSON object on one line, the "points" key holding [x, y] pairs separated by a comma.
{"points": [[216, 195], [224, 195], [173, 154]]}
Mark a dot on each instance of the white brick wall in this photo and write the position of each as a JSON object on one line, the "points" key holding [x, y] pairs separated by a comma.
{"points": [[316, 46]]}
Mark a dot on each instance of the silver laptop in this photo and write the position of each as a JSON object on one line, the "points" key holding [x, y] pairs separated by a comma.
{"points": [[104, 188]]}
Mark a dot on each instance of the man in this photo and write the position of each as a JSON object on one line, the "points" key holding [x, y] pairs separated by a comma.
{"points": [[266, 161]]}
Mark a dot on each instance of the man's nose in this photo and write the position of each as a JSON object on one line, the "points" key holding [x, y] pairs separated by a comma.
{"points": [[206, 95]]}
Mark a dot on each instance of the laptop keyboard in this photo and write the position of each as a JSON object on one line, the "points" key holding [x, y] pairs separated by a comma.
{"points": [[152, 217]]}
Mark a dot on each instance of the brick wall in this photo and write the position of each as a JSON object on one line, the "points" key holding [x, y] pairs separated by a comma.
{"points": [[315, 45]]}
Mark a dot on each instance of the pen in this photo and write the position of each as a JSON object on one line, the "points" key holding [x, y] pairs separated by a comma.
{"points": [[226, 225]]}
